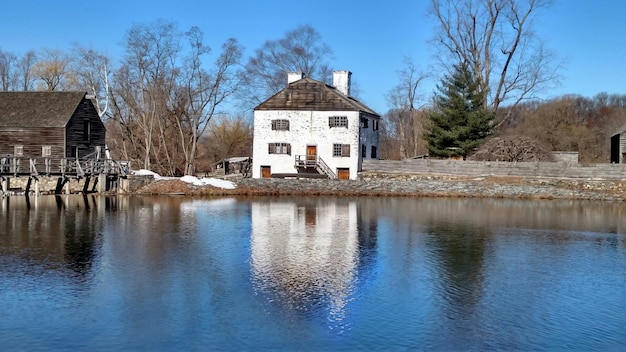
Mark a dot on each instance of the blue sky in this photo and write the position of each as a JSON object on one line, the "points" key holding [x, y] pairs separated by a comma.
{"points": [[369, 38]]}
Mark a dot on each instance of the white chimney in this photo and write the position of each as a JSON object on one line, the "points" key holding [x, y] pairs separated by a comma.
{"points": [[294, 76], [341, 81]]}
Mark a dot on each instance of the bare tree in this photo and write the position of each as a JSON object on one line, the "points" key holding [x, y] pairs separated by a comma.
{"points": [[92, 71], [512, 149], [229, 136], [204, 91], [53, 70], [496, 38], [301, 50], [8, 61], [165, 93], [143, 85], [405, 119], [26, 77], [16, 72]]}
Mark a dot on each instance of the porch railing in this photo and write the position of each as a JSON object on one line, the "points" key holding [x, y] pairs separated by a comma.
{"points": [[315, 162], [322, 167]]}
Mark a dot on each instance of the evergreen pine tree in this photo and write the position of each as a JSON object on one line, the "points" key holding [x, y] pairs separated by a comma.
{"points": [[459, 121]]}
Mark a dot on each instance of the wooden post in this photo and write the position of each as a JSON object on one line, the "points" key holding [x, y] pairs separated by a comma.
{"points": [[95, 184], [123, 185], [28, 183], [37, 190], [5, 185], [86, 185], [102, 183], [59, 187], [68, 190]]}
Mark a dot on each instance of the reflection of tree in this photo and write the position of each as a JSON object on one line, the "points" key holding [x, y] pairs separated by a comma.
{"points": [[460, 249], [367, 229]]}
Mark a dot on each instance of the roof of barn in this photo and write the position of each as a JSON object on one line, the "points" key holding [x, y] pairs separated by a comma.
{"points": [[38, 109]]}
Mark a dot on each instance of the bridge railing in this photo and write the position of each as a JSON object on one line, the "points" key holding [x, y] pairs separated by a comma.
{"points": [[56, 166]]}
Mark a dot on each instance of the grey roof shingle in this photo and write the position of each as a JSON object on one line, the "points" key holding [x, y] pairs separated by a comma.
{"points": [[38, 109], [311, 95]]}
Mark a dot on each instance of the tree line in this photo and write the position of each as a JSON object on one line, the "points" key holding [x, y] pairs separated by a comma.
{"points": [[494, 66], [174, 105]]}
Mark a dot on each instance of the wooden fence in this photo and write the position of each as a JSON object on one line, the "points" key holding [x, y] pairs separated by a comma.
{"points": [[494, 168]]}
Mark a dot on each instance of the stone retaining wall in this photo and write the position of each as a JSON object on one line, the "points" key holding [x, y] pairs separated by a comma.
{"points": [[47, 185]]}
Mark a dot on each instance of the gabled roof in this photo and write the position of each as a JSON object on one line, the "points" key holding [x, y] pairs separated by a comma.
{"points": [[38, 109], [621, 130], [311, 95]]}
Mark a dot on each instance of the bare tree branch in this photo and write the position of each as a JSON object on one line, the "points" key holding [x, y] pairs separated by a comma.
{"points": [[496, 39]]}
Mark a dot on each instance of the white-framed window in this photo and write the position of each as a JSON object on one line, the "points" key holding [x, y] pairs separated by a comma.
{"points": [[338, 121], [18, 150], [341, 150], [280, 125], [46, 151], [375, 125], [279, 148]]}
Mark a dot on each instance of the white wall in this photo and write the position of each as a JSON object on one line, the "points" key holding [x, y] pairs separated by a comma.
{"points": [[306, 128]]}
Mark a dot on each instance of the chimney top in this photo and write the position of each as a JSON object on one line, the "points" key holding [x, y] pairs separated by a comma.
{"points": [[294, 76], [341, 81]]}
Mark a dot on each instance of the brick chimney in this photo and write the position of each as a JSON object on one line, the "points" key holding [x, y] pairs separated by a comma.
{"points": [[341, 81], [294, 76]]}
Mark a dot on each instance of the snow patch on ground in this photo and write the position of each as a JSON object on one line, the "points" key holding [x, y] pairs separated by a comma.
{"points": [[205, 181], [144, 172], [208, 182]]}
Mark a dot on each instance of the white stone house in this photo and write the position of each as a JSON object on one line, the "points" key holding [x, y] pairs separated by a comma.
{"points": [[311, 129]]}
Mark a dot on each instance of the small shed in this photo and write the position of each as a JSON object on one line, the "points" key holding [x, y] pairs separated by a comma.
{"points": [[50, 125], [234, 165], [618, 146]]}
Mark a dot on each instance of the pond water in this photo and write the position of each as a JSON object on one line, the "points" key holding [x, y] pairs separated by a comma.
{"points": [[320, 273]]}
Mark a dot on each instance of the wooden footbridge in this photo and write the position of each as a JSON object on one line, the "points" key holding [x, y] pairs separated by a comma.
{"points": [[104, 173]]}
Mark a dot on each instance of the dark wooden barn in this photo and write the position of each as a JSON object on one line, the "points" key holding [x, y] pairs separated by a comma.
{"points": [[50, 125], [618, 146]]}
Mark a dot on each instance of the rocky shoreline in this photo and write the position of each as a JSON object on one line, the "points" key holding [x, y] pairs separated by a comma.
{"points": [[408, 186]]}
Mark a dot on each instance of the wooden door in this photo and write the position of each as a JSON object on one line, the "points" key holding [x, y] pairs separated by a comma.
{"points": [[311, 152], [266, 171], [311, 155], [343, 173]]}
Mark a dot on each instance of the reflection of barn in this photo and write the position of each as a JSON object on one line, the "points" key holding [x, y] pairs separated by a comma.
{"points": [[233, 166]]}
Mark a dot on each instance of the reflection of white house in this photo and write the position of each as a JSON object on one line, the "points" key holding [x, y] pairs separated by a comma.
{"points": [[305, 252], [313, 128]]}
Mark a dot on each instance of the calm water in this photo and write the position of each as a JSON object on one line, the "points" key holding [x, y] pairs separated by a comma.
{"points": [[96, 273]]}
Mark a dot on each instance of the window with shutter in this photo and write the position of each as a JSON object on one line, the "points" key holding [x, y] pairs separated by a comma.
{"points": [[279, 148], [338, 121], [280, 125], [341, 150]]}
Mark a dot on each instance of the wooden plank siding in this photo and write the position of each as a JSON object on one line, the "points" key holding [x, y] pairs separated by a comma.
{"points": [[84, 131], [68, 122], [32, 140]]}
